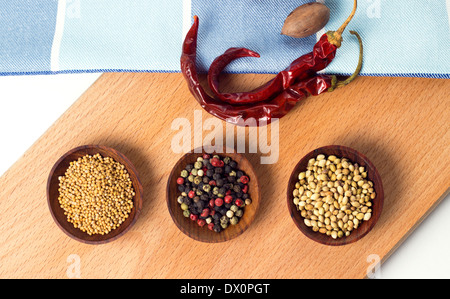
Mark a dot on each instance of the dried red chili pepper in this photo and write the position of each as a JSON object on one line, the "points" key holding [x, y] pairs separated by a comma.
{"points": [[303, 67], [275, 103]]}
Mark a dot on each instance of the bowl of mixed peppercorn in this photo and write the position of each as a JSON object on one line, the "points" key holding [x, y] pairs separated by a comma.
{"points": [[213, 197]]}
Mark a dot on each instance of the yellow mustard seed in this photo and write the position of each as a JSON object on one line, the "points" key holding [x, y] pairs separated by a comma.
{"points": [[96, 194]]}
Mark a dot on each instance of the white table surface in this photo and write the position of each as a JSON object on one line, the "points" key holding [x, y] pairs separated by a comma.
{"points": [[30, 104]]}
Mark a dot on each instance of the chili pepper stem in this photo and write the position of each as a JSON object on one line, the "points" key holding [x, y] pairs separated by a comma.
{"points": [[335, 83], [335, 37]]}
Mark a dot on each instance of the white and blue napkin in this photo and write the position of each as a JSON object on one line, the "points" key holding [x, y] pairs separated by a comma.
{"points": [[401, 37]]}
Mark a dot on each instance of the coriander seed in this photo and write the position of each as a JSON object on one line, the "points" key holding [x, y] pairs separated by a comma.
{"points": [[333, 195]]}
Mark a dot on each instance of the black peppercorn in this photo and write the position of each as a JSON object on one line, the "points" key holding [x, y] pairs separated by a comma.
{"points": [[212, 189], [231, 179], [219, 183], [227, 169], [200, 204], [217, 228]]}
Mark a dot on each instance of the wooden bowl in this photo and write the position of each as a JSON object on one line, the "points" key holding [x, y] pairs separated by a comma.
{"points": [[203, 234], [57, 212], [372, 174]]}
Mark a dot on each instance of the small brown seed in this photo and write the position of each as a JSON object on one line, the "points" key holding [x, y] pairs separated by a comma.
{"points": [[306, 20]]}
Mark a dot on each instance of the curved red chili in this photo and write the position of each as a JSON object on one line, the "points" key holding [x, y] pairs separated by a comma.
{"points": [[274, 99], [303, 67], [263, 111]]}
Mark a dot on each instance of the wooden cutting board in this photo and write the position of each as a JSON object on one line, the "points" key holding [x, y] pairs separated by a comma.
{"points": [[401, 124]]}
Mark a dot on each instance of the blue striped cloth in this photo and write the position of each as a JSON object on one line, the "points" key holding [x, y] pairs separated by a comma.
{"points": [[401, 37]]}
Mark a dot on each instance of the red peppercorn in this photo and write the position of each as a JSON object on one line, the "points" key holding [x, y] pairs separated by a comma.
{"points": [[245, 189], [218, 202], [214, 162], [211, 203], [228, 192], [211, 226], [180, 181], [212, 183], [212, 212], [244, 179], [205, 213], [191, 194], [201, 222], [193, 217], [206, 156], [220, 163], [228, 199], [239, 202]]}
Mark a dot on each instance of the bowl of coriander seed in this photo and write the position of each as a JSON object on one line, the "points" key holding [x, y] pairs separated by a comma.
{"points": [[335, 195], [94, 194]]}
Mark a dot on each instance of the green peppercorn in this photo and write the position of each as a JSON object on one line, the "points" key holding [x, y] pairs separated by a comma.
{"points": [[224, 225], [226, 160], [206, 188], [191, 178], [239, 213], [232, 173], [197, 180], [234, 208], [224, 219], [186, 213], [180, 199], [184, 173], [198, 192], [221, 195], [194, 171], [215, 190], [248, 201], [200, 172], [234, 220], [198, 165]]}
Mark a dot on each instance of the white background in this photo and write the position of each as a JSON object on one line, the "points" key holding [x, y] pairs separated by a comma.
{"points": [[30, 104]]}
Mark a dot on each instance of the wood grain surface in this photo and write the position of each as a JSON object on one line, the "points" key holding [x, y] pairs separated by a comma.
{"points": [[400, 124]]}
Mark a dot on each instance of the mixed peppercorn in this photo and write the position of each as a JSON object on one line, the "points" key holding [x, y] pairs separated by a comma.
{"points": [[214, 192]]}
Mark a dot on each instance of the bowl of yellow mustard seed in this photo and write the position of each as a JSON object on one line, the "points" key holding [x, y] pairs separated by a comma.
{"points": [[94, 194]]}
